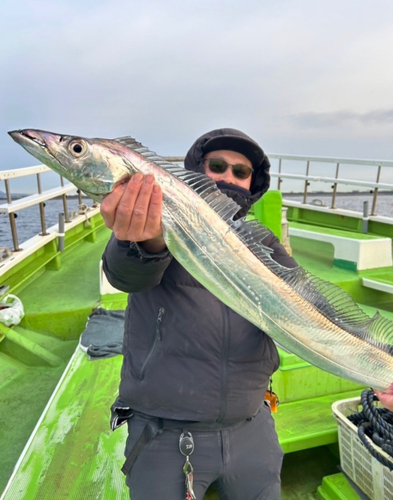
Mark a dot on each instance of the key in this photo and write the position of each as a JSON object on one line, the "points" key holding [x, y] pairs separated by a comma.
{"points": [[189, 473], [186, 447]]}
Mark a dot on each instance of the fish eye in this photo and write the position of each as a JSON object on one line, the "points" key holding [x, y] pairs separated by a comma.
{"points": [[77, 148]]}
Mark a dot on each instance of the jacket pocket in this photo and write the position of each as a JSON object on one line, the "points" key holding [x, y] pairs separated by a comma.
{"points": [[157, 338]]}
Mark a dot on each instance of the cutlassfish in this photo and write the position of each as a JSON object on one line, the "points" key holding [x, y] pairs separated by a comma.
{"points": [[312, 318]]}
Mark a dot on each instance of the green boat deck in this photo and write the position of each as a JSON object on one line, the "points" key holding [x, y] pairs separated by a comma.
{"points": [[73, 450]]}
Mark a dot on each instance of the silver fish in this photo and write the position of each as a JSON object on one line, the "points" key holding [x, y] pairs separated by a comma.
{"points": [[312, 318]]}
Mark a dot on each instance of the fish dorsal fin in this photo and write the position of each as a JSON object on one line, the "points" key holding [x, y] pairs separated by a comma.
{"points": [[139, 148], [205, 187], [252, 233], [333, 302], [329, 299]]}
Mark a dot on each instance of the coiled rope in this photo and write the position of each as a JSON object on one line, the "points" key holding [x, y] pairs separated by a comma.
{"points": [[375, 428]]}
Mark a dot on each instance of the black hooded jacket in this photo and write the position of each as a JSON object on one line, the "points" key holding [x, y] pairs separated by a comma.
{"points": [[187, 356]]}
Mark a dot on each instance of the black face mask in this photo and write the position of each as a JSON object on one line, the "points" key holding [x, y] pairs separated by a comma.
{"points": [[238, 194]]}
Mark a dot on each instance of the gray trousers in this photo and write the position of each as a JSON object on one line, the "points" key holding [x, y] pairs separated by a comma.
{"points": [[243, 462]]}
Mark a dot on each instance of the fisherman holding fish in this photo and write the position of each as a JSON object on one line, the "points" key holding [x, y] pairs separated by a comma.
{"points": [[205, 288], [195, 373]]}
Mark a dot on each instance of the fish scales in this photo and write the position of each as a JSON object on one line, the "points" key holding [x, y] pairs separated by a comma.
{"points": [[227, 258]]}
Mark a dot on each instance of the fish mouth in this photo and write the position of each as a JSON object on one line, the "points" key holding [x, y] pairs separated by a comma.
{"points": [[23, 136], [38, 143]]}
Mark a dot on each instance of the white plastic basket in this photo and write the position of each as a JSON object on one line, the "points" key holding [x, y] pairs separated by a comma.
{"points": [[375, 479]]}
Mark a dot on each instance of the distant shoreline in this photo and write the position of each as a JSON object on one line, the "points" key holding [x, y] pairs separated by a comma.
{"points": [[292, 193], [349, 193], [19, 196]]}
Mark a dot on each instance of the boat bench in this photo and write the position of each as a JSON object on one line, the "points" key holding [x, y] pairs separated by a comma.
{"points": [[308, 423], [378, 285], [353, 251]]}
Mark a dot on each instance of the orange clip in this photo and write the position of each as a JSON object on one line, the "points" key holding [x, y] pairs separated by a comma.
{"points": [[272, 400]]}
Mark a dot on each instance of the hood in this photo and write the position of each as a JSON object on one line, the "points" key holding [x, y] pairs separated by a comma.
{"points": [[233, 140]]}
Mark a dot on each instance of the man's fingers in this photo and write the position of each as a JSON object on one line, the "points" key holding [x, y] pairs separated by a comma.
{"points": [[125, 207], [133, 211], [109, 205], [141, 208], [153, 220]]}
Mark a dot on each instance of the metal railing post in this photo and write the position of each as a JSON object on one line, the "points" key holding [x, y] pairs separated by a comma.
{"points": [[12, 218], [41, 207], [279, 180], [333, 205], [65, 207], [375, 195], [13, 232], [306, 183]]}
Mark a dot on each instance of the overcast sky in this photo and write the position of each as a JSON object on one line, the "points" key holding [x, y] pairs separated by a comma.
{"points": [[301, 77]]}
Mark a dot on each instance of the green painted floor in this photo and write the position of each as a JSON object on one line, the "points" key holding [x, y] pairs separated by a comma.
{"points": [[60, 301], [73, 448], [71, 290], [302, 482]]}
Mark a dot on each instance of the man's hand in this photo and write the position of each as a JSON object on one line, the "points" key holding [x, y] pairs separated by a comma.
{"points": [[386, 398], [133, 211]]}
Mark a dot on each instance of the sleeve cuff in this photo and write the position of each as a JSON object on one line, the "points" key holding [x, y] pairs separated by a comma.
{"points": [[138, 250]]}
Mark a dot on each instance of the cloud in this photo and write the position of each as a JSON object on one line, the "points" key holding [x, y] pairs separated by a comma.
{"points": [[343, 118], [166, 72]]}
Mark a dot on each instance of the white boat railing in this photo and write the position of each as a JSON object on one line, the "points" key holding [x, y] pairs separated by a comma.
{"points": [[277, 172], [374, 185], [14, 205], [308, 162]]}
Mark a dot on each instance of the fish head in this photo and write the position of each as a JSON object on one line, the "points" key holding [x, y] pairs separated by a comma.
{"points": [[95, 166]]}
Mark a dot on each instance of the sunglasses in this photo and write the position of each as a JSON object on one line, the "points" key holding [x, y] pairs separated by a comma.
{"points": [[219, 166]]}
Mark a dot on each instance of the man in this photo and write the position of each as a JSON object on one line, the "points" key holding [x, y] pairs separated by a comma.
{"points": [[386, 397], [192, 366]]}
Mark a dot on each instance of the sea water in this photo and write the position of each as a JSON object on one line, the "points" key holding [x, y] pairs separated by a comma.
{"points": [[350, 201], [28, 220]]}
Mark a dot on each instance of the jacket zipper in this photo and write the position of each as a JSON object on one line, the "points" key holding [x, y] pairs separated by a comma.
{"points": [[157, 337], [224, 363]]}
